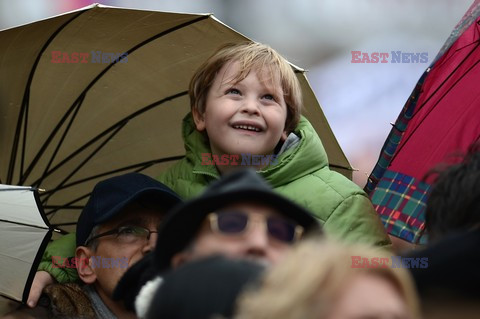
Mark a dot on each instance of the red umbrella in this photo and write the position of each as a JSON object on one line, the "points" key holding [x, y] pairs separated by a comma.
{"points": [[442, 116]]}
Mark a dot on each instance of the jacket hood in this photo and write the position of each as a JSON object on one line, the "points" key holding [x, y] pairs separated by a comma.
{"points": [[307, 157]]}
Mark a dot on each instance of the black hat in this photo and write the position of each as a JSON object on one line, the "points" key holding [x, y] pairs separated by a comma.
{"points": [[181, 225], [111, 196], [204, 288]]}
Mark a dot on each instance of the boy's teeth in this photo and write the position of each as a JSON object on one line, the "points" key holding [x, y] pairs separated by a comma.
{"points": [[247, 127]]}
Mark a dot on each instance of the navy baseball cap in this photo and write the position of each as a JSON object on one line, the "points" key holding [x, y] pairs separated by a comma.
{"points": [[111, 196]]}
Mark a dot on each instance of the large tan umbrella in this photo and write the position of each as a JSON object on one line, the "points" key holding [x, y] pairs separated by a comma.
{"points": [[64, 126]]}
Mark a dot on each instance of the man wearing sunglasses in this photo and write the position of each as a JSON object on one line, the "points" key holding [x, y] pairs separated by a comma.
{"points": [[117, 227], [238, 216]]}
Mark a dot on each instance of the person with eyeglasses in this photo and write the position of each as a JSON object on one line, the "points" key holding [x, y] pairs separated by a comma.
{"points": [[239, 216], [117, 228]]}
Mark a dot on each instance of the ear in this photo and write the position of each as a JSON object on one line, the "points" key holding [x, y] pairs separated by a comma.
{"points": [[84, 265], [180, 258], [199, 119], [284, 136]]}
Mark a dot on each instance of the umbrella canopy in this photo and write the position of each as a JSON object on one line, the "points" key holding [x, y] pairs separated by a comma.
{"points": [[441, 117], [102, 91], [25, 232]]}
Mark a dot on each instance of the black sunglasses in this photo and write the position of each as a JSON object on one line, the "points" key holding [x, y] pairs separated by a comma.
{"points": [[238, 222]]}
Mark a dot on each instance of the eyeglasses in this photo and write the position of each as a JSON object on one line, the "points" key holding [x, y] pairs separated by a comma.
{"points": [[127, 234], [238, 222]]}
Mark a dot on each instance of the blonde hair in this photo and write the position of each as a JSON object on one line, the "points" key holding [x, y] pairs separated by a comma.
{"points": [[307, 283], [251, 56]]}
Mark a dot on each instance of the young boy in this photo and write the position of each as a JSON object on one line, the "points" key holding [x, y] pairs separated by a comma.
{"points": [[246, 102]]}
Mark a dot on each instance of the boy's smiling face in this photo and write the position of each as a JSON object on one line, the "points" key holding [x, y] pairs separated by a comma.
{"points": [[244, 117]]}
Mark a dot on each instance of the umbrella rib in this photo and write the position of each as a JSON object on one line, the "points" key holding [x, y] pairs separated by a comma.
{"points": [[25, 127], [447, 78], [64, 135], [90, 85], [65, 224], [138, 168], [49, 139], [460, 49], [141, 166], [122, 122], [22, 224], [17, 189], [436, 90], [61, 231], [95, 151], [342, 167], [67, 205], [26, 98], [62, 207]]}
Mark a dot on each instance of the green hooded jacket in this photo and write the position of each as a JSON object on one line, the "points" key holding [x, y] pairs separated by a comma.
{"points": [[301, 173]]}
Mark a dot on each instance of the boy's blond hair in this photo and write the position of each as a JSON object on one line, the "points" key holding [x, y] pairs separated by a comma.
{"points": [[251, 56], [313, 276]]}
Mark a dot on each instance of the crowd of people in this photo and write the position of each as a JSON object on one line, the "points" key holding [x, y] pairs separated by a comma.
{"points": [[289, 239]]}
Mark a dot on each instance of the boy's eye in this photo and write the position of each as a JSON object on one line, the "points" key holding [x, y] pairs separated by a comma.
{"points": [[233, 91], [269, 97]]}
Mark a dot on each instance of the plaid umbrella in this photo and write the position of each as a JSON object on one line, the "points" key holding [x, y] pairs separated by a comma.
{"points": [[441, 116]]}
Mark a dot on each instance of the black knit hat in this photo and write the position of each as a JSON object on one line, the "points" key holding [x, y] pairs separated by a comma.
{"points": [[204, 288]]}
